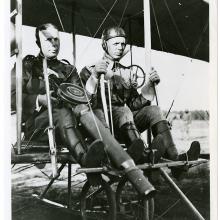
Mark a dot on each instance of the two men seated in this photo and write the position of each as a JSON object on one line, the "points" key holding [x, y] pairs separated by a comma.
{"points": [[131, 111]]}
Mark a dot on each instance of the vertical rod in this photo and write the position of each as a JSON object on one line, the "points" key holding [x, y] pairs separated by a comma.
{"points": [[18, 31], [74, 34], [181, 195], [50, 130], [147, 41], [69, 184], [147, 35], [130, 36], [147, 45], [47, 85]]}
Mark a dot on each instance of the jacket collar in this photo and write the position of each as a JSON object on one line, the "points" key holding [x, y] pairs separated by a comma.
{"points": [[112, 64]]}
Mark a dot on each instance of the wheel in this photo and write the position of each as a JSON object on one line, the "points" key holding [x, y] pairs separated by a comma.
{"points": [[138, 75], [130, 205], [98, 202]]}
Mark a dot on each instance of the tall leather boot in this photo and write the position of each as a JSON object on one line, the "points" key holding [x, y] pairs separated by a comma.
{"points": [[169, 148], [133, 141], [91, 157], [192, 154], [74, 144]]}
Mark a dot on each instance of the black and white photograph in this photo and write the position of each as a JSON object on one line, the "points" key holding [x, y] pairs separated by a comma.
{"points": [[111, 110]]}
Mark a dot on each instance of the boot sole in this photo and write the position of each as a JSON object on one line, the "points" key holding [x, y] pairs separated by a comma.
{"points": [[194, 151]]}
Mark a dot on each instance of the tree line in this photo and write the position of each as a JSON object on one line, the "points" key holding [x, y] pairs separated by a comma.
{"points": [[194, 115]]}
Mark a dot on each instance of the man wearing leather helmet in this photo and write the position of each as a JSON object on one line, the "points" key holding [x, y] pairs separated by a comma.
{"points": [[131, 111]]}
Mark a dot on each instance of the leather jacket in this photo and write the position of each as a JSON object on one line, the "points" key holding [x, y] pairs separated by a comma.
{"points": [[33, 80]]}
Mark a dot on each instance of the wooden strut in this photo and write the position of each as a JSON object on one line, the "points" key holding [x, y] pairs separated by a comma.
{"points": [[52, 181], [18, 37], [97, 170], [102, 87], [144, 166], [181, 195], [50, 130]]}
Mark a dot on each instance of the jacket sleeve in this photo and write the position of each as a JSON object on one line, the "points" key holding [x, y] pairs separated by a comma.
{"points": [[85, 74], [73, 76], [137, 101], [28, 98]]}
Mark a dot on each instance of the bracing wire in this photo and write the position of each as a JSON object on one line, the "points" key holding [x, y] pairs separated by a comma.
{"points": [[58, 15], [85, 25], [200, 38], [173, 205], [176, 27], [156, 21], [123, 13], [104, 9], [99, 27]]}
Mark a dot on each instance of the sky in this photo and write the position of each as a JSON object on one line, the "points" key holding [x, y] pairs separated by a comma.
{"points": [[183, 79]]}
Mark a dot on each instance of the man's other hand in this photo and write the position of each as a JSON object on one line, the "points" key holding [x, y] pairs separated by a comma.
{"points": [[42, 99], [100, 68], [154, 77]]}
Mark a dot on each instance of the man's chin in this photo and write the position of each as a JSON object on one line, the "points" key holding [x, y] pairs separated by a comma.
{"points": [[52, 56], [117, 57]]}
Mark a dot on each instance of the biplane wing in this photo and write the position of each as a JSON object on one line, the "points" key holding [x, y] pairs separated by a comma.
{"points": [[179, 27]]}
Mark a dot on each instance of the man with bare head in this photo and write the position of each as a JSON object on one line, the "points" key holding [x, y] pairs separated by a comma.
{"points": [[35, 106]]}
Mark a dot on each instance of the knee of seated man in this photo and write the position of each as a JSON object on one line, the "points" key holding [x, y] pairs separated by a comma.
{"points": [[153, 109], [66, 118], [125, 115], [154, 112]]}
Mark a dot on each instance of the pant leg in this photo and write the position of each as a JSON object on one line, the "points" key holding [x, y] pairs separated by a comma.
{"points": [[147, 117], [99, 113], [62, 118], [121, 115]]}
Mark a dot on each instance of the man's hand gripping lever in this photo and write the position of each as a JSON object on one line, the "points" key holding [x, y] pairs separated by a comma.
{"points": [[149, 91], [100, 71], [50, 130]]}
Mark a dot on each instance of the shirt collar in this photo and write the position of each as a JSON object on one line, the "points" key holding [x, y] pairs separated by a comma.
{"points": [[112, 64]]}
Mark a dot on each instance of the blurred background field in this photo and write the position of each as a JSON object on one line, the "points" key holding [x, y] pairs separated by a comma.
{"points": [[27, 179]]}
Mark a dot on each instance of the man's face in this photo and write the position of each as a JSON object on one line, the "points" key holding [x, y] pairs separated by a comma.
{"points": [[116, 47], [49, 42]]}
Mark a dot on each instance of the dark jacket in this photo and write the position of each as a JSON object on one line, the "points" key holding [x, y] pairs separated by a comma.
{"points": [[33, 84], [33, 79]]}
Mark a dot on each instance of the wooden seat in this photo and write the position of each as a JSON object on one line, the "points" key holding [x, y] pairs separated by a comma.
{"points": [[35, 152]]}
